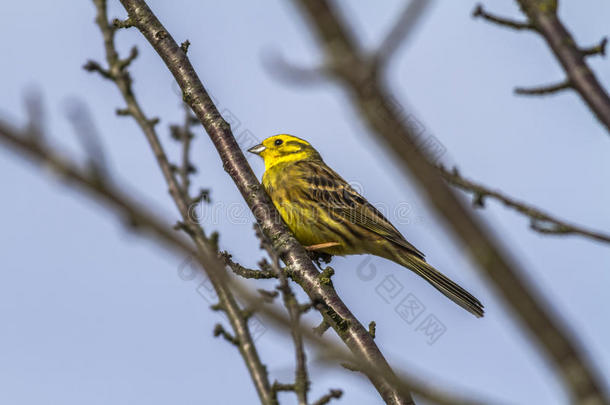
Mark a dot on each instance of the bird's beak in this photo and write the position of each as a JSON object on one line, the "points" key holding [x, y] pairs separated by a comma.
{"points": [[257, 149]]}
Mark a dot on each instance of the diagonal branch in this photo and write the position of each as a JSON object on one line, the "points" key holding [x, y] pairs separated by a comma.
{"points": [[347, 326], [401, 30], [118, 73], [373, 102], [542, 18], [540, 221], [135, 215]]}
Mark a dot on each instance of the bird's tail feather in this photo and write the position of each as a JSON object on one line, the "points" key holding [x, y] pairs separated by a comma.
{"points": [[441, 282]]}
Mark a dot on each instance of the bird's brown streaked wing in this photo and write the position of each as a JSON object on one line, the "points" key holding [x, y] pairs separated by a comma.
{"points": [[329, 189]]}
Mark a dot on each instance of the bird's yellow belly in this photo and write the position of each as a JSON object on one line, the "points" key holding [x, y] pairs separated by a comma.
{"points": [[310, 227]]}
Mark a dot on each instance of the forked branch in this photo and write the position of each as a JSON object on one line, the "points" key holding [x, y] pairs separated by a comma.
{"points": [[347, 326]]}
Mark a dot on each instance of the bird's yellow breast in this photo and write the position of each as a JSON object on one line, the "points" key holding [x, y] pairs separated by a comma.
{"points": [[307, 220]]}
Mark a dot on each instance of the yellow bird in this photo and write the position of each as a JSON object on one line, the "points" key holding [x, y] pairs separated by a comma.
{"points": [[327, 215]]}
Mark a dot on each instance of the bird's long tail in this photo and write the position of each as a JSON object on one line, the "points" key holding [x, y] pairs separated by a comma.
{"points": [[441, 282]]}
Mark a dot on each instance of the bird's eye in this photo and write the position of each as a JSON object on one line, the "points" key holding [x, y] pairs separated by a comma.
{"points": [[278, 142]]}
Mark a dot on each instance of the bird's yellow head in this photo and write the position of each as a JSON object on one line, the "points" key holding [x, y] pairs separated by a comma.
{"points": [[284, 148]]}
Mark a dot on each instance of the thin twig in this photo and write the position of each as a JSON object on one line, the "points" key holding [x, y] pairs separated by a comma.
{"points": [[540, 221], [219, 330], [542, 18], [332, 394], [401, 30], [277, 64], [87, 134], [599, 49], [278, 387], [321, 328], [185, 136], [543, 90], [505, 22], [35, 113], [246, 272]]}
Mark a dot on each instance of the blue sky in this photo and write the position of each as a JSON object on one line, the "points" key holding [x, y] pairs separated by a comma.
{"points": [[92, 313]]}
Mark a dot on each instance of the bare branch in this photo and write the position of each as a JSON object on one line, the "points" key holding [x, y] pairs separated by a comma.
{"points": [[219, 330], [373, 102], [544, 90], [36, 115], [288, 72], [135, 214], [540, 221], [278, 386], [346, 325], [118, 73], [87, 134], [599, 49], [184, 135], [332, 394], [401, 30], [268, 296], [505, 22], [244, 271], [321, 328], [542, 17]]}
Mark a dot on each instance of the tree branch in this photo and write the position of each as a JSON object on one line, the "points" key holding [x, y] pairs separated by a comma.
{"points": [[184, 135], [537, 217], [372, 100], [543, 90], [542, 18], [347, 326], [504, 22], [246, 272], [118, 73], [401, 30], [332, 394]]}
